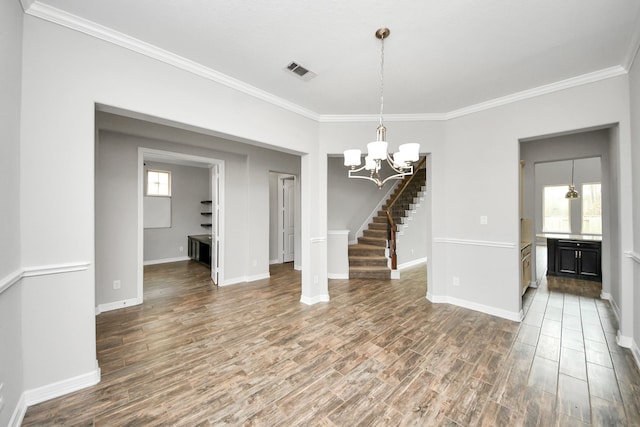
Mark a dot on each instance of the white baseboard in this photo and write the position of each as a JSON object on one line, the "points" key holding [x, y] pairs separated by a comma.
{"points": [[314, 300], [274, 261], [101, 308], [51, 391], [615, 308], [297, 267], [244, 279], [509, 315], [338, 276], [636, 353], [624, 341], [605, 296], [165, 260], [395, 274], [412, 263]]}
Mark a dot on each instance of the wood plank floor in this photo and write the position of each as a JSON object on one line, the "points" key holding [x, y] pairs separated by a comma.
{"points": [[378, 353]]}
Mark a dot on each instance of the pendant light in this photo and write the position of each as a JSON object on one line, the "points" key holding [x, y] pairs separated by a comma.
{"points": [[572, 193]]}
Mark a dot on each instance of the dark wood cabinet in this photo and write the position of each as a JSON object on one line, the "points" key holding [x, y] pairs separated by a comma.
{"points": [[574, 258], [199, 248]]}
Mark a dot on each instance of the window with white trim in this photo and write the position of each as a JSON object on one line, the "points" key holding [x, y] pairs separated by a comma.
{"points": [[158, 183]]}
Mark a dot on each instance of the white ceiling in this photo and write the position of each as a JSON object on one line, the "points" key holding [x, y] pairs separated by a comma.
{"points": [[442, 55]]}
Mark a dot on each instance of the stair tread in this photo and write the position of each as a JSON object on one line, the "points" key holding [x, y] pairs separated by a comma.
{"points": [[369, 268]]}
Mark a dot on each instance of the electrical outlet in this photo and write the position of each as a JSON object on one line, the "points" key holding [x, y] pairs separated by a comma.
{"points": [[116, 284], [315, 280], [181, 248], [456, 281], [484, 220]]}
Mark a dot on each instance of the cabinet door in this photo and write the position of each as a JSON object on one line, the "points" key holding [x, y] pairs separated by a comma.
{"points": [[589, 262], [567, 260]]}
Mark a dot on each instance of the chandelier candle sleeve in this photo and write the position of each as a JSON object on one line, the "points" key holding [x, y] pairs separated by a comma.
{"points": [[352, 158]]}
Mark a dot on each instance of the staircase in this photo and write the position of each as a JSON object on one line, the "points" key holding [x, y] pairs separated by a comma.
{"points": [[367, 258]]}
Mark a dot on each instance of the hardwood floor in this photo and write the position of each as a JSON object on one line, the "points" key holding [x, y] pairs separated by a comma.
{"points": [[378, 353]]}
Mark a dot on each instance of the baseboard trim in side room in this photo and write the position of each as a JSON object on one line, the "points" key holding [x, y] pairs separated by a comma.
{"points": [[165, 260], [51, 391]]}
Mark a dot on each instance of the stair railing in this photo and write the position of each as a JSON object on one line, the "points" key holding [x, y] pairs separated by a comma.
{"points": [[390, 221]]}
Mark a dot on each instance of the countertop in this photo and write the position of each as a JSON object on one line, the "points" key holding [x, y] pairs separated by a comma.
{"points": [[584, 237], [204, 238]]}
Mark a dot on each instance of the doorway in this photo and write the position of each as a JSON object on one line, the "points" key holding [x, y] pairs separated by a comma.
{"points": [[216, 193], [282, 189]]}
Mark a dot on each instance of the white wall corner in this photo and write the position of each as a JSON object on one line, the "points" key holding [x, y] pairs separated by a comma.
{"points": [[337, 276], [314, 300]]}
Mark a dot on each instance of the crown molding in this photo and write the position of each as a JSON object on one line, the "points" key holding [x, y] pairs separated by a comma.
{"points": [[85, 26], [634, 45], [514, 97], [569, 83], [418, 117], [60, 17]]}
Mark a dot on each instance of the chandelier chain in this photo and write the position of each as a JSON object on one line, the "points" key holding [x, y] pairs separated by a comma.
{"points": [[381, 80]]}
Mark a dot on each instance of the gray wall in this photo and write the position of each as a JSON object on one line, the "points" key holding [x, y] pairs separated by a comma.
{"points": [[11, 354], [189, 186]]}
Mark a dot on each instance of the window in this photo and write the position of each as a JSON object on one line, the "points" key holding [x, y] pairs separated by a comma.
{"points": [[158, 183], [591, 209], [555, 210]]}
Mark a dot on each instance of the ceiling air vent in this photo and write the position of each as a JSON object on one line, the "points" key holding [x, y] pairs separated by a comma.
{"points": [[300, 71]]}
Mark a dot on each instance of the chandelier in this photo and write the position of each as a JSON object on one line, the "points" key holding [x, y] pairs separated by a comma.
{"points": [[401, 163]]}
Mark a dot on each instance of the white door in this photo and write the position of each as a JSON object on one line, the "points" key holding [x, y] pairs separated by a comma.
{"points": [[215, 222], [288, 220]]}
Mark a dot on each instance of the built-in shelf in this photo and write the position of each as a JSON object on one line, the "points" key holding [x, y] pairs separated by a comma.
{"points": [[207, 214]]}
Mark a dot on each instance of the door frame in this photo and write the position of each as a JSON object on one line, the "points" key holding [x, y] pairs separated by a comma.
{"points": [[180, 158], [281, 231]]}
